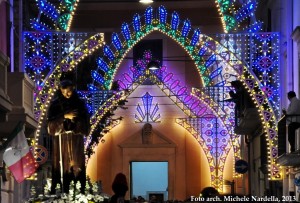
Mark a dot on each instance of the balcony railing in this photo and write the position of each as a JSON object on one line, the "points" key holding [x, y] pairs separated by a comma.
{"points": [[285, 156]]}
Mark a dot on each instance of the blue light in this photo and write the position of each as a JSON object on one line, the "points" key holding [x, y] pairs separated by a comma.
{"points": [[246, 11], [137, 22], [103, 65], [175, 21], [108, 52], [255, 27], [38, 26], [162, 15], [116, 41], [92, 87], [148, 15], [202, 51], [126, 31], [48, 9], [210, 60], [216, 72], [186, 28], [195, 37], [97, 77]]}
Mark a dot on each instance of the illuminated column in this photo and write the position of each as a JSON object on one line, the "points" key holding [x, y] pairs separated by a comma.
{"points": [[296, 38]]}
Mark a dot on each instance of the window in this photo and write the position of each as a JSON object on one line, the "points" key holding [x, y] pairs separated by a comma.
{"points": [[149, 179]]}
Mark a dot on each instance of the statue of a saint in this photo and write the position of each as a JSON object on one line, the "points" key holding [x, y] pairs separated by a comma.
{"points": [[68, 123]]}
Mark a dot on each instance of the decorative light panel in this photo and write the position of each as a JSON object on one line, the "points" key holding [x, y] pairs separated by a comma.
{"points": [[162, 15], [148, 113], [149, 16]]}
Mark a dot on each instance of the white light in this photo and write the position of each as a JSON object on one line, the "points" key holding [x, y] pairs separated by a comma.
{"points": [[146, 1], [153, 68]]}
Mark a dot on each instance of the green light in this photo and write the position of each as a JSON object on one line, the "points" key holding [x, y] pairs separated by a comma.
{"points": [[230, 22], [224, 5], [63, 21]]}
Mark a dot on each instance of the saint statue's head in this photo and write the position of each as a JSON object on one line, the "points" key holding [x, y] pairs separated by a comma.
{"points": [[66, 84]]}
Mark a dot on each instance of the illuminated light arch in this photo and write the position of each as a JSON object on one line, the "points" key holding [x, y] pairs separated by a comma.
{"points": [[253, 86], [220, 138], [249, 81]]}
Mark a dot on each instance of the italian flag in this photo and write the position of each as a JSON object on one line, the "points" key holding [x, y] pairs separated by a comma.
{"points": [[18, 156]]}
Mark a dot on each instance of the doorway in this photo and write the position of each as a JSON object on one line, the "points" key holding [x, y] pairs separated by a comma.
{"points": [[149, 180]]}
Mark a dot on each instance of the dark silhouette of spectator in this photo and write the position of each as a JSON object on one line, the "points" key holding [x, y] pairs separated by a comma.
{"points": [[293, 122], [208, 192], [120, 187]]}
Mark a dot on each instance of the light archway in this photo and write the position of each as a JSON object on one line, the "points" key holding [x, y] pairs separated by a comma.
{"points": [[196, 45]]}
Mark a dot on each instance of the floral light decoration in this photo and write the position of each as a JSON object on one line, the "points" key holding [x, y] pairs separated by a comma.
{"points": [[149, 113]]}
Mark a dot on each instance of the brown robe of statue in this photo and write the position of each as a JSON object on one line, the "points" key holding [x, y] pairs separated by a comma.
{"points": [[72, 133]]}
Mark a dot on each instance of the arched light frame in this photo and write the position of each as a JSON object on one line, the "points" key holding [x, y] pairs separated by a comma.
{"points": [[249, 81]]}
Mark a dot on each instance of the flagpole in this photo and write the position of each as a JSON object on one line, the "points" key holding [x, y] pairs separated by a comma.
{"points": [[61, 164]]}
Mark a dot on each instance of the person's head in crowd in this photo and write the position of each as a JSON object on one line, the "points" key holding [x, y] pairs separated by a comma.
{"points": [[291, 94], [208, 192]]}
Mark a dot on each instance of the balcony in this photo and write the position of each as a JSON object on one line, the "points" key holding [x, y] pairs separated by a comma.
{"points": [[285, 156], [5, 103], [20, 91]]}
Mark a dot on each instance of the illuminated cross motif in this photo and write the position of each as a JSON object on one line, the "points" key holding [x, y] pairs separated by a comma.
{"points": [[149, 113]]}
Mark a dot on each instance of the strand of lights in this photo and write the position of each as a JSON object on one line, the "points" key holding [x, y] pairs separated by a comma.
{"points": [[175, 21], [162, 15], [195, 37], [246, 11], [39, 26], [126, 31], [102, 65], [67, 9], [48, 10], [108, 52], [255, 27], [216, 73], [149, 16], [137, 23], [186, 28], [97, 77]]}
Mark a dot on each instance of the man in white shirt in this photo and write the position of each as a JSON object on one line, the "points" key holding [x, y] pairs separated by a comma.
{"points": [[293, 117]]}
